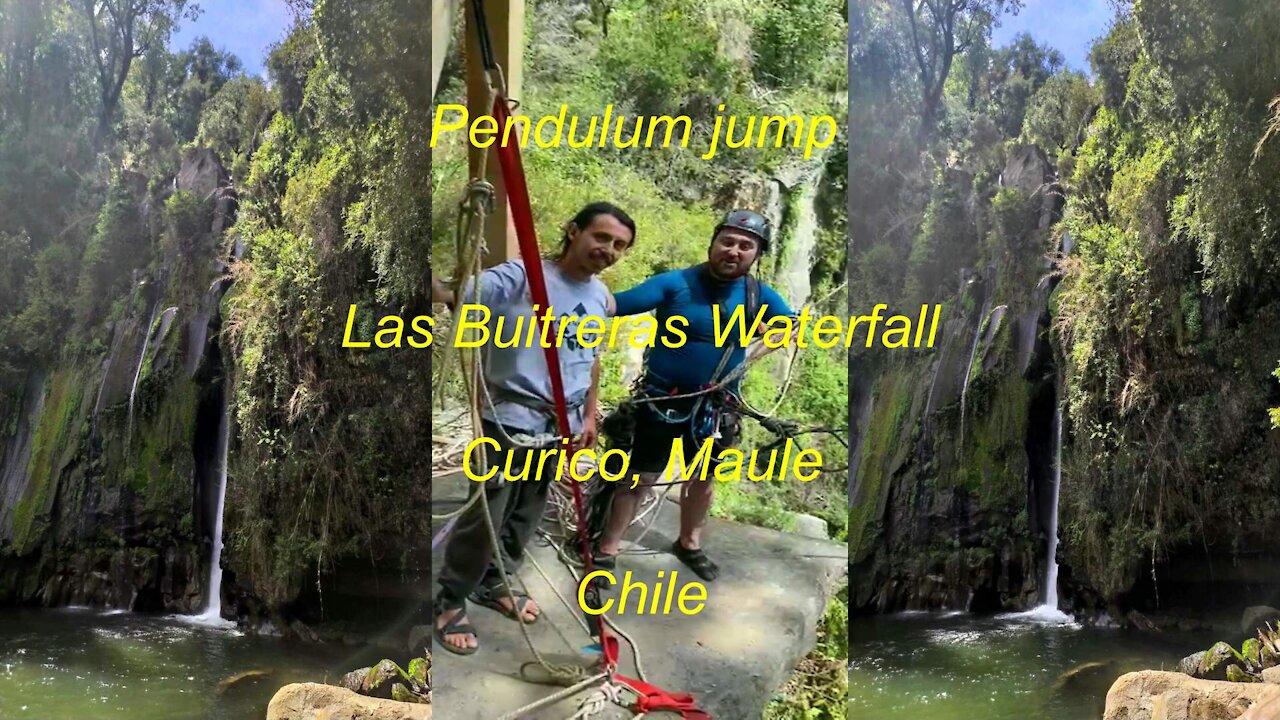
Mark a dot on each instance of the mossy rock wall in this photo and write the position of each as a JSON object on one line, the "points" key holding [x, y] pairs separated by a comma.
{"points": [[937, 522]]}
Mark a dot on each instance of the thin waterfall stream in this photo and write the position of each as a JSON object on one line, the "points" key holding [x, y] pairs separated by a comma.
{"points": [[137, 372], [212, 614], [1048, 610], [973, 352], [1051, 562]]}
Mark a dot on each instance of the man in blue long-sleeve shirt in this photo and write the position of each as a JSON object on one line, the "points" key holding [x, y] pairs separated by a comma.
{"points": [[693, 365]]}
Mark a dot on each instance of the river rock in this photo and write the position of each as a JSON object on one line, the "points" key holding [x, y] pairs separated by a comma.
{"points": [[388, 681], [243, 677], [1084, 672], [1257, 617], [303, 632], [313, 701], [420, 640], [1153, 695], [1216, 660], [1190, 665]]}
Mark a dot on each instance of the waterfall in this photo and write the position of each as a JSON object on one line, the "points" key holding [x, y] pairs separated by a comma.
{"points": [[1051, 574], [198, 328], [212, 614], [799, 245], [137, 372], [973, 352], [1048, 612]]}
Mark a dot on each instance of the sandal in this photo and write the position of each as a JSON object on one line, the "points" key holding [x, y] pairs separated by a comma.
{"points": [[696, 560], [603, 561], [457, 625], [488, 597]]}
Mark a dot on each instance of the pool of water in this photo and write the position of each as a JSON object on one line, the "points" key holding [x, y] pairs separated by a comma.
{"points": [[74, 664], [1012, 667]]}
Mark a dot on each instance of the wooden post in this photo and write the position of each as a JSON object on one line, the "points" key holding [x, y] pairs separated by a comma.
{"points": [[506, 36]]}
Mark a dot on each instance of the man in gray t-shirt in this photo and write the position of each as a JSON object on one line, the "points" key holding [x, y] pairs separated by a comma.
{"points": [[521, 416]]}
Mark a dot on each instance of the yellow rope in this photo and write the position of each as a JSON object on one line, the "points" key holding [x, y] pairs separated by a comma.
{"points": [[476, 205], [473, 212]]}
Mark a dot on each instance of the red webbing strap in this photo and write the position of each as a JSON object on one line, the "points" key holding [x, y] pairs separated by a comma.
{"points": [[653, 699], [526, 235]]}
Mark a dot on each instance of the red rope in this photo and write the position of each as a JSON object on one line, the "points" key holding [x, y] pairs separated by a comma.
{"points": [[526, 234], [651, 698]]}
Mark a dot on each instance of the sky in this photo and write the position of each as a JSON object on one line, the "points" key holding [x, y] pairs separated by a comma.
{"points": [[244, 27], [1069, 27]]}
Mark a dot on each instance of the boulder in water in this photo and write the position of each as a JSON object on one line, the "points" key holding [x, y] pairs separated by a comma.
{"points": [[1190, 665], [1271, 675], [1084, 672], [1257, 617], [1216, 660], [420, 640], [388, 681], [1153, 695], [242, 677], [1141, 622], [313, 701]]}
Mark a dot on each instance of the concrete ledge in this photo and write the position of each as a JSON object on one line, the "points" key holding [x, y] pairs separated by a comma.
{"points": [[759, 620]]}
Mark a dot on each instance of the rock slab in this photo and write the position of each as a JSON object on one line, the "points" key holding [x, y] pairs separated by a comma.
{"points": [[313, 701], [1152, 695]]}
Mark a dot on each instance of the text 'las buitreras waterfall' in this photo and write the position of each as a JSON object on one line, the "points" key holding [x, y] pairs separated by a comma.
{"points": [[472, 329]]}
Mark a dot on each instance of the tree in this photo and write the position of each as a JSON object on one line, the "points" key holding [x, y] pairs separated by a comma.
{"points": [[1021, 69], [233, 120], [1058, 110], [24, 24], [121, 31], [793, 41], [941, 30]]}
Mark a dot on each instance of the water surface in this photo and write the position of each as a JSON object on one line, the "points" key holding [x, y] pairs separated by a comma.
{"points": [[89, 665], [960, 667]]}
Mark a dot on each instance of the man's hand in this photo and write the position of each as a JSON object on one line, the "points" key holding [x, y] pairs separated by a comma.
{"points": [[440, 293], [589, 433]]}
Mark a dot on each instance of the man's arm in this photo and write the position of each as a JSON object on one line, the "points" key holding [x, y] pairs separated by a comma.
{"points": [[774, 307], [589, 432], [499, 285], [440, 293], [642, 298]]}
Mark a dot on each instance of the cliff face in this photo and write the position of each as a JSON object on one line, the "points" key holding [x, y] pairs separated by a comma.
{"points": [[105, 467], [111, 461], [957, 450], [953, 442]]}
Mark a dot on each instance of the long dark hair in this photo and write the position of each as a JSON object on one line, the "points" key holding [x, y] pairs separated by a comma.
{"points": [[588, 213]]}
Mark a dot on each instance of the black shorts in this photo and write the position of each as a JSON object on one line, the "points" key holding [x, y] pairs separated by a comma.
{"points": [[654, 439]]}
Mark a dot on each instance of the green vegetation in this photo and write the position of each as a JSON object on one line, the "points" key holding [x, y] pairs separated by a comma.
{"points": [[47, 456], [1164, 325], [97, 117], [332, 453], [1169, 204]]}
